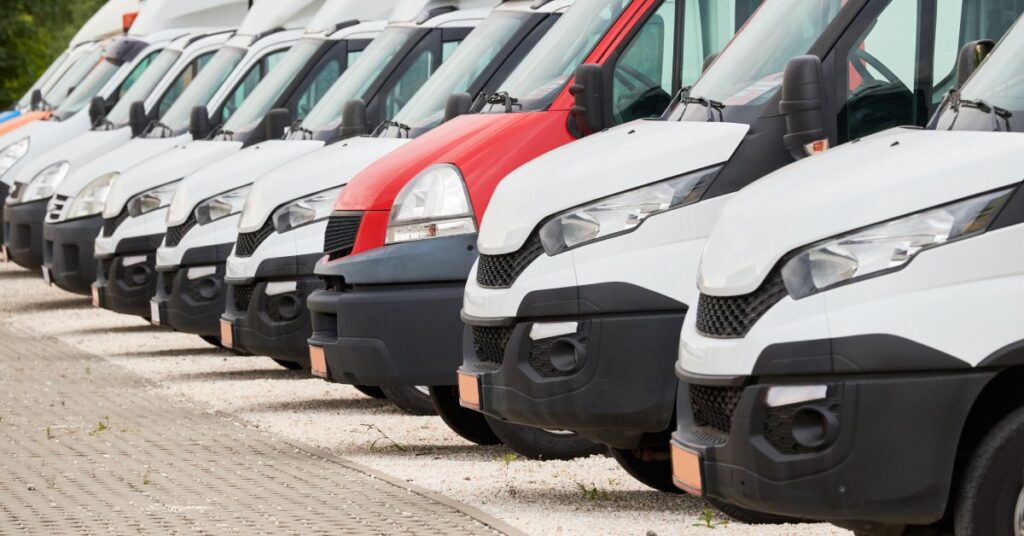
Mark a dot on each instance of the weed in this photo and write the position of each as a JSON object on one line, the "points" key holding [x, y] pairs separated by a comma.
{"points": [[145, 477], [383, 437], [88, 370], [508, 458], [593, 493], [49, 433], [101, 427], [707, 520], [51, 481], [613, 481]]}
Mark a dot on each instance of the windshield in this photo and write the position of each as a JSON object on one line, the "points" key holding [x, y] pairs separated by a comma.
{"points": [[750, 69], [90, 86], [145, 85], [542, 74], [999, 88], [26, 99], [82, 66], [257, 104], [199, 92], [354, 83], [426, 108]]}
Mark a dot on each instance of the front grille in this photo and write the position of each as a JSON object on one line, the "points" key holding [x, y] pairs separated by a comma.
{"points": [[168, 281], [247, 243], [111, 224], [242, 297], [176, 233], [489, 343], [500, 271], [55, 208], [340, 236], [730, 317], [714, 406]]}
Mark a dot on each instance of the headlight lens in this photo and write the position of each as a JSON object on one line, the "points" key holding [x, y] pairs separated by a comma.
{"points": [[434, 204], [154, 199], [622, 213], [222, 205], [92, 198], [46, 182], [12, 153], [887, 246], [305, 211]]}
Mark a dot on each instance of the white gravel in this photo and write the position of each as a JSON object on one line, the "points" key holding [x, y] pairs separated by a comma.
{"points": [[537, 497]]}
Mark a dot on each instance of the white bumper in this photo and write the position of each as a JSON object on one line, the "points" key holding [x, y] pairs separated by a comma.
{"points": [[306, 240], [222, 231], [148, 224]]}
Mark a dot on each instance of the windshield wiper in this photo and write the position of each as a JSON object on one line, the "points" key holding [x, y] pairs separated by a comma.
{"points": [[503, 98], [402, 127], [307, 134], [995, 112], [711, 105], [226, 135], [165, 131]]}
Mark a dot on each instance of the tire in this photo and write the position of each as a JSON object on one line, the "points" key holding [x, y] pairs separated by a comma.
{"points": [[991, 493], [656, 473], [290, 365], [409, 399], [750, 517], [538, 444], [211, 340], [370, 391], [469, 424]]}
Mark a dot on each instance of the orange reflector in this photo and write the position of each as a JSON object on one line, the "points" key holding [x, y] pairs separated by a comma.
{"points": [[686, 470], [128, 19], [469, 391], [95, 296], [226, 335], [317, 361], [816, 147]]}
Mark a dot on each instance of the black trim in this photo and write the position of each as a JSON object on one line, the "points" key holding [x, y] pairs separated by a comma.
{"points": [[1012, 212], [68, 252], [215, 254], [853, 355], [423, 261], [127, 290], [1010, 355], [595, 299], [23, 233], [274, 326]]}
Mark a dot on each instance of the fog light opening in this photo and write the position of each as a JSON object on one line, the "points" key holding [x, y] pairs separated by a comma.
{"points": [[207, 288], [287, 306], [814, 427], [567, 355], [138, 274]]}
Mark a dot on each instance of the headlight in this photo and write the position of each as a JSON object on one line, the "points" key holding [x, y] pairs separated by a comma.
{"points": [[887, 246], [46, 182], [154, 199], [305, 211], [92, 198], [434, 204], [222, 205], [11, 154], [622, 213]]}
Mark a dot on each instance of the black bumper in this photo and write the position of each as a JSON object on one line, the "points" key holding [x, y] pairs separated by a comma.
{"points": [[126, 281], [194, 305], [276, 326], [23, 233], [878, 449], [609, 379], [68, 252], [390, 316]]}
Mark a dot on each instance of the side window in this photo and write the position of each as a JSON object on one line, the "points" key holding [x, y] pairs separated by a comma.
{"points": [[958, 22], [642, 78], [447, 48], [185, 77], [135, 74], [353, 56], [316, 89], [412, 79], [249, 83], [882, 70]]}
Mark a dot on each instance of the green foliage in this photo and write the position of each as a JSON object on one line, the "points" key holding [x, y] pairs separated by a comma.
{"points": [[32, 34]]}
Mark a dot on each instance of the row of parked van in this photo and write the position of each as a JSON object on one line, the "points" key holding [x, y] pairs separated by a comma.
{"points": [[767, 252]]}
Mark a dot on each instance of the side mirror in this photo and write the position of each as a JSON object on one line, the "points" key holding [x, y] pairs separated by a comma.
{"points": [[457, 104], [803, 104], [588, 91], [970, 59], [708, 61], [97, 111], [353, 119], [37, 99], [277, 121], [137, 118], [199, 124]]}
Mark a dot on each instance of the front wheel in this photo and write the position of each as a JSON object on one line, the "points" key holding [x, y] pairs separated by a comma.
{"points": [[469, 424], [290, 365], [370, 391], [654, 470], [411, 399], [991, 496], [538, 444], [211, 340], [750, 517]]}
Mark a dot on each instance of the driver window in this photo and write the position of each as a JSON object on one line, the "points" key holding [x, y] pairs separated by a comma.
{"points": [[412, 79], [642, 78], [327, 76], [185, 77], [882, 69], [249, 83], [136, 73]]}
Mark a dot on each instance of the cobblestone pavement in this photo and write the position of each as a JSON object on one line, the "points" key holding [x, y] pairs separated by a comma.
{"points": [[87, 447]]}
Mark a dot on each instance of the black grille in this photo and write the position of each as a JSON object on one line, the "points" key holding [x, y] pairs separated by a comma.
{"points": [[247, 243], [714, 406], [168, 281], [340, 235], [242, 297], [500, 271], [730, 317], [111, 224], [489, 343], [176, 233]]}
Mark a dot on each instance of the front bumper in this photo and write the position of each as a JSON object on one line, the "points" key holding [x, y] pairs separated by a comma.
{"points": [[267, 315], [68, 252], [126, 280], [877, 449], [190, 297], [23, 233], [390, 316]]}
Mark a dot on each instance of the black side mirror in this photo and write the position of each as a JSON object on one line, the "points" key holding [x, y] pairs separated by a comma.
{"points": [[708, 61], [97, 111], [456, 105], [37, 99], [199, 124], [353, 119], [588, 90], [970, 58], [137, 118], [803, 104], [277, 121]]}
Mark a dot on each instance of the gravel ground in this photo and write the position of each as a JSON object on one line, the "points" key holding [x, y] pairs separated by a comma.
{"points": [[537, 497]]}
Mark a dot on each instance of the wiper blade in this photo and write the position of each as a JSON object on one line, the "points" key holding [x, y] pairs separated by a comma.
{"points": [[995, 112], [307, 134], [225, 135], [711, 105], [503, 98], [402, 127], [165, 131]]}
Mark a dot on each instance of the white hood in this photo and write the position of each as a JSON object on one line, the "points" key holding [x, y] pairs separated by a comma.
{"points": [[232, 172], [176, 163], [267, 15], [80, 150], [157, 15], [107, 21], [884, 176], [619, 159], [43, 136], [320, 170], [117, 157]]}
